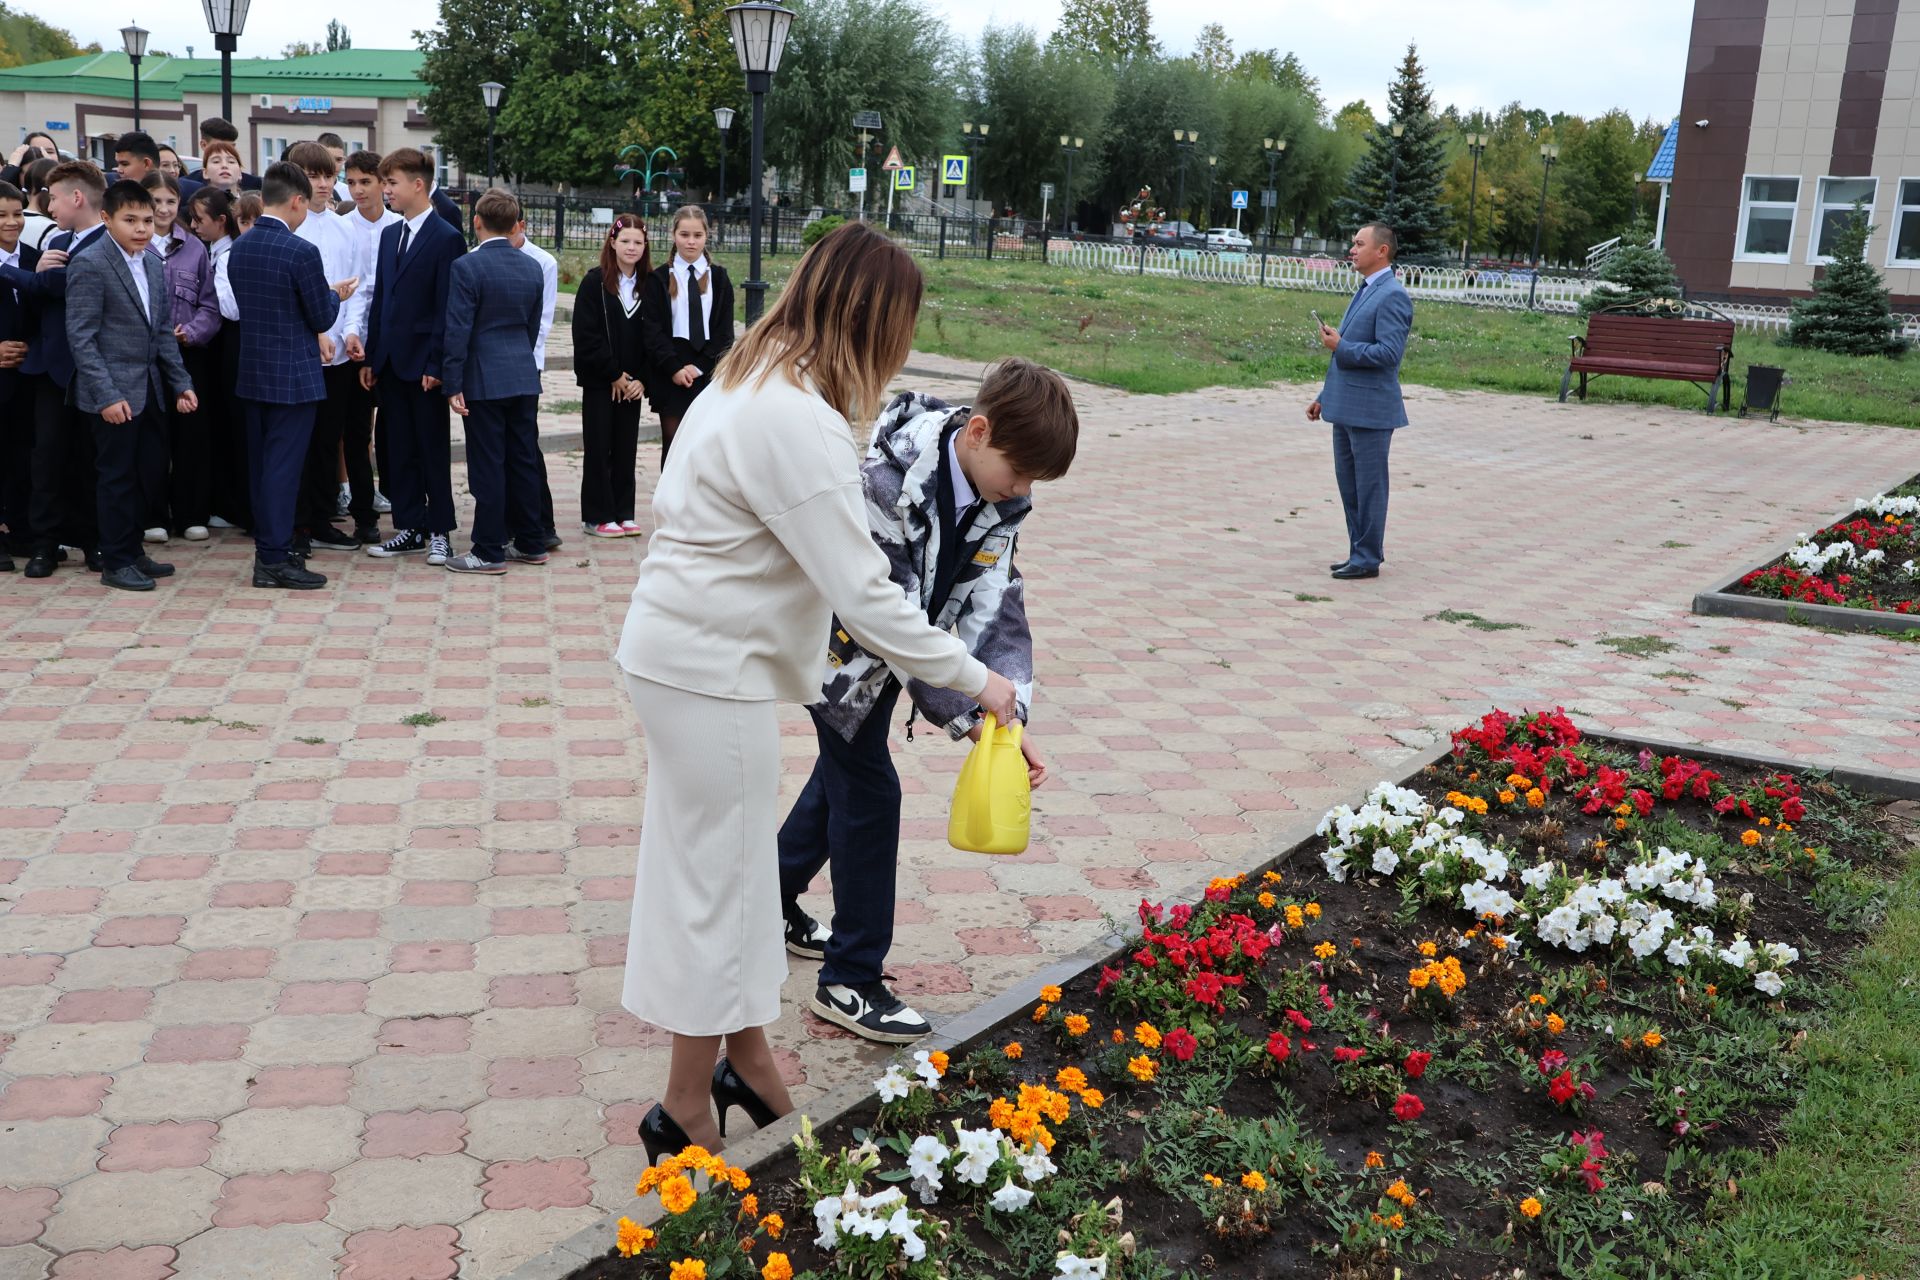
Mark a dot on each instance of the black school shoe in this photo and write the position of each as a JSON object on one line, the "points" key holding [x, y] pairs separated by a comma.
{"points": [[870, 1011], [807, 937]]}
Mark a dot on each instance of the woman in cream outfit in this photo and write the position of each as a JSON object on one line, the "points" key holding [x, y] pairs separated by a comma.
{"points": [[760, 537]]}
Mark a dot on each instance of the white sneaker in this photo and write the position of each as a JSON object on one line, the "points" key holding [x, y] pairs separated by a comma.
{"points": [[437, 549], [215, 522], [632, 528], [196, 533], [608, 530], [380, 502], [343, 502], [154, 535], [870, 1011]]}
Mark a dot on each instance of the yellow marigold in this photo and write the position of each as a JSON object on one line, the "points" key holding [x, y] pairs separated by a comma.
{"points": [[1223, 884], [649, 1180], [1272, 877], [1000, 1114], [1395, 1221], [1296, 918], [738, 1179], [688, 1269], [1530, 1207], [631, 1238], [677, 1194], [1375, 1160], [1555, 1024], [773, 1224], [749, 1206], [1077, 1025], [1428, 950], [1536, 998], [1325, 950], [1142, 1068], [1072, 1079], [1093, 1098], [1535, 798], [1147, 1034], [1507, 797], [1619, 824], [1211, 1180], [1266, 900], [1519, 781], [1313, 911], [1653, 1039], [1749, 837], [1050, 994], [1040, 1012], [940, 1060], [1013, 1050], [1418, 979], [1253, 1180], [778, 1267]]}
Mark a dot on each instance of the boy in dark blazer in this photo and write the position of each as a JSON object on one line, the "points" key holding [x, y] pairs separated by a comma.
{"points": [[285, 305], [16, 412], [406, 335], [126, 366], [494, 303]]}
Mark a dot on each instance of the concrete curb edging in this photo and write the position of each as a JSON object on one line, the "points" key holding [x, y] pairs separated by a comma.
{"points": [[1720, 601], [767, 1144]]}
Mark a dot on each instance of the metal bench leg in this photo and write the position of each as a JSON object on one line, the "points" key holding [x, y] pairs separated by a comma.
{"points": [[1565, 378], [1583, 387]]}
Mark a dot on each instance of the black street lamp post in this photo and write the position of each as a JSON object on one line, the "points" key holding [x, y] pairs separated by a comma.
{"points": [[135, 40], [1276, 149], [1184, 141], [1476, 144], [226, 19], [970, 134], [490, 92], [723, 118], [1213, 164], [1069, 147], [759, 38], [1549, 156]]}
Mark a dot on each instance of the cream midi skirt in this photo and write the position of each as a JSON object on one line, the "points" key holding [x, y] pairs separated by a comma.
{"points": [[705, 952]]}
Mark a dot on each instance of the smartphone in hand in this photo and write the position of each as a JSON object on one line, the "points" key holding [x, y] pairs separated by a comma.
{"points": [[1318, 323]]}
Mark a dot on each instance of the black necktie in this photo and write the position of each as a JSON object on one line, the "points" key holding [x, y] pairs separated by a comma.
{"points": [[406, 234], [696, 323]]}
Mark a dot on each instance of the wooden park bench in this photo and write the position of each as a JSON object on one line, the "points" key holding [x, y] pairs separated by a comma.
{"points": [[1696, 351]]}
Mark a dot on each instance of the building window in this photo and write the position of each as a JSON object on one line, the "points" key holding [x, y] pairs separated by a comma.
{"points": [[1767, 208], [1905, 241], [270, 151], [442, 171], [1837, 198]]}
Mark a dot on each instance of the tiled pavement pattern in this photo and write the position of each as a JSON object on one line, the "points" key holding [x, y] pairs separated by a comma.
{"points": [[291, 988]]}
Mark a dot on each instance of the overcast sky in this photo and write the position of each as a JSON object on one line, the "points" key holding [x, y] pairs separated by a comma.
{"points": [[1478, 53]]}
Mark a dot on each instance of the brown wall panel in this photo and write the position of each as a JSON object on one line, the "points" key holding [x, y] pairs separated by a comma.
{"points": [[1723, 64]]}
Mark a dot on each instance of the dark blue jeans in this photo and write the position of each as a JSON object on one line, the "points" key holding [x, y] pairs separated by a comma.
{"points": [[848, 818]]}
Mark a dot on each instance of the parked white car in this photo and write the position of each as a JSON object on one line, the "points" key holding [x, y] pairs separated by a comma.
{"points": [[1228, 238]]}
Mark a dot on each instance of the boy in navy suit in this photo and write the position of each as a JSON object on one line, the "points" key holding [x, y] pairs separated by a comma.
{"points": [[286, 307], [494, 302], [126, 368], [16, 414], [406, 334]]}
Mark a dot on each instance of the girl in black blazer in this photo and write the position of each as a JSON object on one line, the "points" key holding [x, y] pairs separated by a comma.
{"points": [[688, 321], [610, 364]]}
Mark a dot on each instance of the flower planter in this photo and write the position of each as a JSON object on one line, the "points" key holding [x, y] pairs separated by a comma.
{"points": [[1379, 1118]]}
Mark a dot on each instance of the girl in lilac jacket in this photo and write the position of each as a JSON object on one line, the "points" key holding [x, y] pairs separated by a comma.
{"points": [[196, 323]]}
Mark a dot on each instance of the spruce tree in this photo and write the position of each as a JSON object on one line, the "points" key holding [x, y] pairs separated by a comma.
{"points": [[1638, 280], [1398, 181], [1850, 311]]}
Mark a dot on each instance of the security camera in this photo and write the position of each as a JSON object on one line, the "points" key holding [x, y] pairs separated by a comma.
{"points": [[1699, 124]]}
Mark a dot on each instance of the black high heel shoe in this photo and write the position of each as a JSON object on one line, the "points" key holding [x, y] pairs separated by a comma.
{"points": [[729, 1090], [662, 1135]]}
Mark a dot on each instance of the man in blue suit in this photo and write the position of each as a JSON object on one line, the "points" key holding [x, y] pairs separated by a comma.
{"points": [[1361, 399], [285, 305], [494, 301], [406, 335], [63, 503]]}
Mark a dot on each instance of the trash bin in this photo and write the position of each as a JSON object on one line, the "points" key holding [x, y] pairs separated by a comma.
{"points": [[1764, 382]]}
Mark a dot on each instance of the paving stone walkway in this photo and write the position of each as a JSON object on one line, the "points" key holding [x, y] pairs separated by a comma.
{"points": [[313, 907]]}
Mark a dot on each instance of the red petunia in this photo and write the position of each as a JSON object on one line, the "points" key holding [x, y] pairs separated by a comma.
{"points": [[1346, 1053], [1561, 1089], [1416, 1064], [1277, 1044], [1299, 1020], [1179, 1044], [1407, 1108]]}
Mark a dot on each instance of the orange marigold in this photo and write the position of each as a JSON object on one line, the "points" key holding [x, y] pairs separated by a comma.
{"points": [[1093, 1098], [778, 1268], [1266, 900], [1313, 911], [1147, 1034], [749, 1206], [1077, 1024], [1142, 1068], [677, 1194], [688, 1269], [1050, 994], [1749, 837], [1531, 1207], [1072, 1079], [1375, 1160], [631, 1238], [1013, 1050], [773, 1224], [1555, 1024]]}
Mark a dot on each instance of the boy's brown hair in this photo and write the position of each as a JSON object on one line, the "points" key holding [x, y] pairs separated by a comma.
{"points": [[312, 158], [409, 161], [367, 162], [248, 206], [80, 173], [1031, 415], [497, 210]]}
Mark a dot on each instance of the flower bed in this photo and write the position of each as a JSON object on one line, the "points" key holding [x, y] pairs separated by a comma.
{"points": [[1868, 561], [1539, 1009]]}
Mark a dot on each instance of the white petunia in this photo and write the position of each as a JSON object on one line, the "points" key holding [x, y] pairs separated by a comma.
{"points": [[1336, 868], [925, 1157], [1676, 952], [826, 1216], [894, 1085], [1768, 982], [1035, 1164], [924, 1068], [1536, 877], [1385, 860], [1074, 1267], [979, 1149], [1011, 1199], [859, 1222], [902, 1225]]}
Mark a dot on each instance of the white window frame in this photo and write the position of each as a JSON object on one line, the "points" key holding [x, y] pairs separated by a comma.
{"points": [[1820, 209], [270, 154], [1740, 233], [1893, 226]]}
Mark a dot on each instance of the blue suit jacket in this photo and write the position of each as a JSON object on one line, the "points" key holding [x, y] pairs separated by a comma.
{"points": [[48, 352], [284, 300], [17, 321], [407, 316], [1363, 383], [495, 295]]}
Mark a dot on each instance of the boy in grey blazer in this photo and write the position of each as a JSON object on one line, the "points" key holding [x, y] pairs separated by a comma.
{"points": [[126, 366]]}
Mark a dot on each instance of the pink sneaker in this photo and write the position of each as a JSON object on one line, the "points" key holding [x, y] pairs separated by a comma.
{"points": [[632, 528], [608, 530]]}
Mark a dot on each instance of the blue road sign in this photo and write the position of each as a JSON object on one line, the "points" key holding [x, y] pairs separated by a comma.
{"points": [[953, 171], [1239, 200], [904, 178]]}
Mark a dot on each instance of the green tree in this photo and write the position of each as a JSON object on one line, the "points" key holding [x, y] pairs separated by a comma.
{"points": [[302, 49], [473, 42], [338, 37], [1398, 181], [25, 39], [1850, 311], [1637, 280], [1151, 98], [1597, 166], [570, 93], [1032, 95], [684, 67], [1285, 70], [1113, 30], [1213, 50]]}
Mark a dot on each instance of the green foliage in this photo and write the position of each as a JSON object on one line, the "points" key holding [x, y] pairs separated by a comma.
{"points": [[1850, 312], [1398, 181], [684, 67], [473, 42], [570, 94], [1030, 95], [812, 233], [25, 39], [1111, 30], [1638, 280]]}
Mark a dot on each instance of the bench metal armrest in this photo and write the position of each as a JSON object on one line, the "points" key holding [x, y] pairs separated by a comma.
{"points": [[1576, 346]]}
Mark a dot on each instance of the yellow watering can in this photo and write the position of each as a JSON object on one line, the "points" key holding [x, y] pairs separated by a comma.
{"points": [[992, 800]]}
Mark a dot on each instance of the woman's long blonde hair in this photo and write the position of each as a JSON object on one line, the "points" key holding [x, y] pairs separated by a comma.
{"points": [[844, 320]]}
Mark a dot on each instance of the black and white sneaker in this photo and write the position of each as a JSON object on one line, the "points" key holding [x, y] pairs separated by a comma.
{"points": [[438, 549], [407, 542], [807, 937], [870, 1011]]}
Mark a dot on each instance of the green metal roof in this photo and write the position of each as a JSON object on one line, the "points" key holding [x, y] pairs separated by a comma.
{"points": [[349, 73]]}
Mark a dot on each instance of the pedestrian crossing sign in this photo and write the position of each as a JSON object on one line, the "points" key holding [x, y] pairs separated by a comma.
{"points": [[905, 178], [953, 171], [1239, 199]]}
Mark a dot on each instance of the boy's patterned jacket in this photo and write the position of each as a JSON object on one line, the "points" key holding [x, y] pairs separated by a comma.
{"points": [[987, 605]]}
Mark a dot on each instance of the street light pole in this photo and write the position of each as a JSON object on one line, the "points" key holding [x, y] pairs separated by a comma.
{"points": [[226, 19], [1476, 143], [1276, 150], [1184, 141], [759, 38], [490, 92], [1069, 147], [723, 118], [135, 40], [1212, 166], [1549, 154]]}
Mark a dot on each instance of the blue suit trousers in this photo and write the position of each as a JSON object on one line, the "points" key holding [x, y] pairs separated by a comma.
{"points": [[420, 451], [1360, 466], [277, 437], [505, 475]]}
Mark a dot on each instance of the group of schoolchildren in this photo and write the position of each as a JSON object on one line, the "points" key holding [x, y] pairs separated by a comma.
{"points": [[190, 387]]}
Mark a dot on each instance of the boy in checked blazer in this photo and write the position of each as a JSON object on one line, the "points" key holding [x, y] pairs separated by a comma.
{"points": [[126, 366]]}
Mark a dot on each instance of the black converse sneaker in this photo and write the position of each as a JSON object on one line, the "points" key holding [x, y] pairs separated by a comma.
{"points": [[807, 937], [870, 1011]]}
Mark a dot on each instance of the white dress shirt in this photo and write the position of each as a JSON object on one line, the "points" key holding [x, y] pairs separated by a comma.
{"points": [[549, 293], [629, 292], [11, 258], [137, 268], [964, 495], [222, 286], [414, 224], [367, 233], [339, 258], [689, 275]]}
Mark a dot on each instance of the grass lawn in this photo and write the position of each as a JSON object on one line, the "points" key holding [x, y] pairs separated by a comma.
{"points": [[1155, 335]]}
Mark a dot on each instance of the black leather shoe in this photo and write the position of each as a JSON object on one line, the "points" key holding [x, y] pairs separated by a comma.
{"points": [[331, 538], [1337, 567], [291, 576], [662, 1135], [41, 564], [1352, 571], [127, 579], [94, 563], [153, 568], [6, 563], [729, 1090]]}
